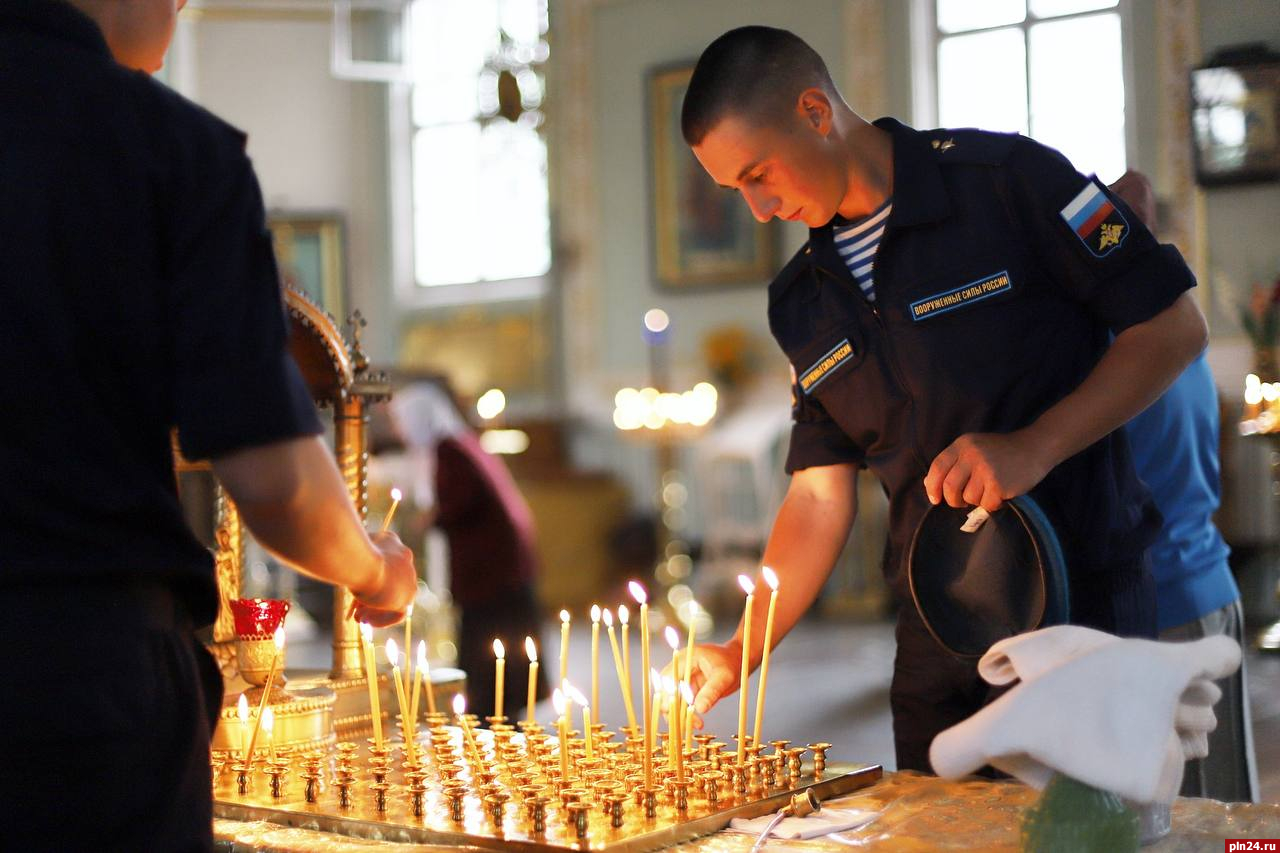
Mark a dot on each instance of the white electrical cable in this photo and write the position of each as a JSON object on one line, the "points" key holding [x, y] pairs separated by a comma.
{"points": [[783, 814]]}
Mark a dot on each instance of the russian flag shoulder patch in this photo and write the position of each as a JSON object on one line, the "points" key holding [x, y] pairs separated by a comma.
{"points": [[1095, 220]]}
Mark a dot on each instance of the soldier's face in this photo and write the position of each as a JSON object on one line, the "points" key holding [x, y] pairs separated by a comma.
{"points": [[789, 171]]}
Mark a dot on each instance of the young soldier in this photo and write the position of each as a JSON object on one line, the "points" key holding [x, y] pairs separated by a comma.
{"points": [[137, 293], [948, 324]]}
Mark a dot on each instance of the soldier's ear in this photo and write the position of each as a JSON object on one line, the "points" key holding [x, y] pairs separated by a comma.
{"points": [[814, 109]]}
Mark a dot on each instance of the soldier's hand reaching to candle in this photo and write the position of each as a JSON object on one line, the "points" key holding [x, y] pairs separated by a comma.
{"points": [[385, 601], [716, 670]]}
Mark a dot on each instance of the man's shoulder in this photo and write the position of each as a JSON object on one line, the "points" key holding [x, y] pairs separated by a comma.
{"points": [[971, 146], [183, 118]]}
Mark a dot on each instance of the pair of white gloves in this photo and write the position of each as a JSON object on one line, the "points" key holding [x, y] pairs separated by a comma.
{"points": [[1123, 715]]}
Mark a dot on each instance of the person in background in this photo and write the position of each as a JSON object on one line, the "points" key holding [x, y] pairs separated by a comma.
{"points": [[1175, 452], [470, 496], [138, 294]]}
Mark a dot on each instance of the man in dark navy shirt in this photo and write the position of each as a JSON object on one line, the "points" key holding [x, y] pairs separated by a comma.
{"points": [[958, 348], [138, 293]]}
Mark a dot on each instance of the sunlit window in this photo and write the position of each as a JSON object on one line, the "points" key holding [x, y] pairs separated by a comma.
{"points": [[1051, 69], [479, 157]]}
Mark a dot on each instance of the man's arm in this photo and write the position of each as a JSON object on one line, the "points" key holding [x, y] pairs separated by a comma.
{"points": [[292, 496], [808, 534], [986, 469]]}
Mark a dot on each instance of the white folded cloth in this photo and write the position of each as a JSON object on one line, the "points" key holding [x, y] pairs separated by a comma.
{"points": [[1119, 714], [819, 823]]}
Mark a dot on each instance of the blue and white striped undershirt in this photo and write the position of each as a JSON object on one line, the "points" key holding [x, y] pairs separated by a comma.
{"points": [[857, 243]]}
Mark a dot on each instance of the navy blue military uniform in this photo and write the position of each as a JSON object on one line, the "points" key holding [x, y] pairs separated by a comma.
{"points": [[1001, 274], [138, 292]]}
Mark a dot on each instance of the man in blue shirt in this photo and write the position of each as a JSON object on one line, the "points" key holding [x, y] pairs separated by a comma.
{"points": [[1175, 452]]}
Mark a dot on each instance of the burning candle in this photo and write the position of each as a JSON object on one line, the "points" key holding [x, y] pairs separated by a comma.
{"points": [[278, 638], [655, 678], [624, 618], [642, 598], [415, 689], [562, 729], [393, 658], [395, 502], [688, 655], [242, 713], [577, 696], [268, 726], [459, 714], [749, 588], [371, 673], [772, 580], [673, 713], [499, 676], [623, 682], [595, 658], [686, 692], [564, 645], [424, 674], [531, 651], [673, 722], [408, 646]]}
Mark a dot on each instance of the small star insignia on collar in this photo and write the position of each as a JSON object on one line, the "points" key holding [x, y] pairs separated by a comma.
{"points": [[946, 145]]}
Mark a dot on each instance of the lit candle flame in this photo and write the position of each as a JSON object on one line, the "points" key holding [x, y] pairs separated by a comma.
{"points": [[668, 685], [242, 709], [422, 654], [393, 652], [279, 638], [576, 695], [396, 494], [673, 639], [408, 611], [366, 631], [624, 615], [530, 650], [637, 592], [770, 577], [655, 678], [558, 701], [686, 693], [268, 720], [564, 616], [747, 586], [595, 613], [498, 650], [459, 704], [608, 618]]}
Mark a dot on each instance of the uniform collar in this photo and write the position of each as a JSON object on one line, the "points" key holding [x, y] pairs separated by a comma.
{"points": [[56, 19], [919, 195]]}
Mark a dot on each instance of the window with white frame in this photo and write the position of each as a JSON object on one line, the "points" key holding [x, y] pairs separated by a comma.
{"points": [[479, 157], [1050, 69]]}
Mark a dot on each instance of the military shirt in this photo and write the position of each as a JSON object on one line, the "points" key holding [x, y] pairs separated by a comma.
{"points": [[1000, 278], [138, 293]]}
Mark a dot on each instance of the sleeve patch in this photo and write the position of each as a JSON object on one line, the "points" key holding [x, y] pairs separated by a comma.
{"points": [[1097, 222]]}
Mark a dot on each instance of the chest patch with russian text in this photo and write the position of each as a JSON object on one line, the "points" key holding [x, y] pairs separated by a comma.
{"points": [[822, 368], [958, 297], [1095, 220]]}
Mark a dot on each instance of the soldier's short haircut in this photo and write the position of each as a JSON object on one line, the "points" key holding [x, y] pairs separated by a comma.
{"points": [[755, 73]]}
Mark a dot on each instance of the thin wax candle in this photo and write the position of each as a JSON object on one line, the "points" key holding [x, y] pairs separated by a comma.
{"points": [[499, 676], [642, 597], [771, 579], [749, 588], [532, 652]]}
